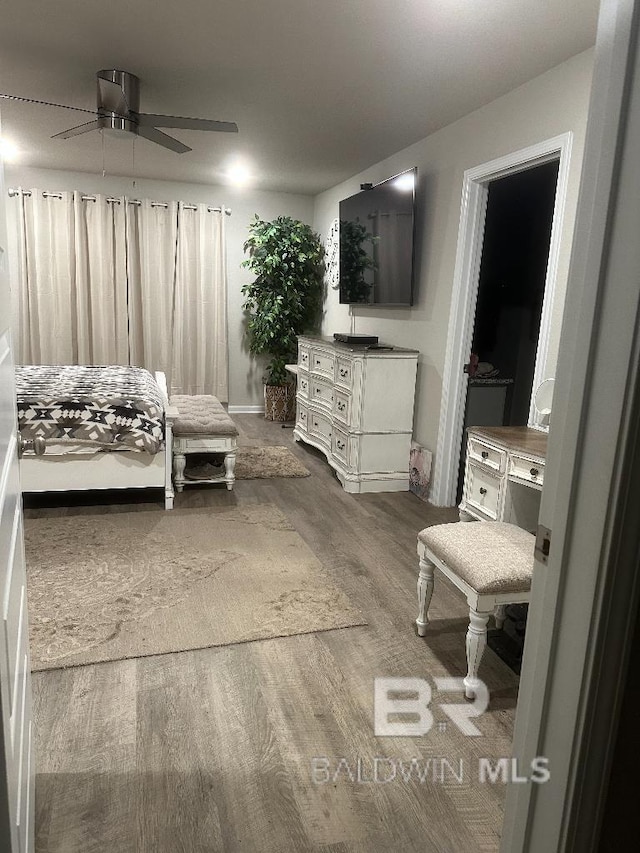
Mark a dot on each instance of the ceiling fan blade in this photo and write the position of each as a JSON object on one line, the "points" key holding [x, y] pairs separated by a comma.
{"points": [[112, 97], [147, 119], [154, 135], [77, 130], [45, 103]]}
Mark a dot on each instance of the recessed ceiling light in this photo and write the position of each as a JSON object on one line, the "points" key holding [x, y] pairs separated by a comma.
{"points": [[238, 174], [8, 151]]}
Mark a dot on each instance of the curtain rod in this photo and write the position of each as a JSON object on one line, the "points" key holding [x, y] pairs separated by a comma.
{"points": [[13, 192]]}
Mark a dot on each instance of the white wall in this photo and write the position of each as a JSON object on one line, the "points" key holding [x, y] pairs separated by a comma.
{"points": [[245, 374], [545, 107]]}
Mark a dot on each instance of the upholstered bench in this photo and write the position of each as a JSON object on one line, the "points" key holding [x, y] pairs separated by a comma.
{"points": [[491, 562], [203, 426]]}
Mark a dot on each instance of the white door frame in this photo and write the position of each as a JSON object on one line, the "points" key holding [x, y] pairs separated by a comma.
{"points": [[580, 626], [475, 193]]}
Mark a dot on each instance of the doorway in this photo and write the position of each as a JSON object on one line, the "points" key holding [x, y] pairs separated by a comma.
{"points": [[511, 288], [475, 196]]}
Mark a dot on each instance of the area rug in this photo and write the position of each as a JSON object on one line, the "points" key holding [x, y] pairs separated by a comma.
{"points": [[252, 463], [127, 585]]}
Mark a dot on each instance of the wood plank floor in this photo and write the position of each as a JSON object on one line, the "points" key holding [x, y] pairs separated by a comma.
{"points": [[213, 750]]}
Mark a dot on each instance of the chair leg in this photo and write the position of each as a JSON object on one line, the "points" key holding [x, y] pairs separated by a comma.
{"points": [[499, 615], [476, 644], [425, 591]]}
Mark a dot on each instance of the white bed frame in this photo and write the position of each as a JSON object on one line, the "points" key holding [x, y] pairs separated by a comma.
{"points": [[124, 469]]}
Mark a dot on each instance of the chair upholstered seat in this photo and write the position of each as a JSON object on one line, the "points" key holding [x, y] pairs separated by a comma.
{"points": [[491, 562], [491, 556], [201, 414]]}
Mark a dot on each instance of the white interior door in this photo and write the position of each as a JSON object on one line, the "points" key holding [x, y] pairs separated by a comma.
{"points": [[16, 756]]}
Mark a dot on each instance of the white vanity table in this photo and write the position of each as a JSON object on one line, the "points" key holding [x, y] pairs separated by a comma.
{"points": [[504, 473]]}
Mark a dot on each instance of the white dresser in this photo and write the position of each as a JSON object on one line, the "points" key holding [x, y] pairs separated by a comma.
{"points": [[356, 406]]}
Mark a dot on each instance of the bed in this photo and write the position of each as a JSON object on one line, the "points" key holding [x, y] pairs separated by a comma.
{"points": [[105, 427]]}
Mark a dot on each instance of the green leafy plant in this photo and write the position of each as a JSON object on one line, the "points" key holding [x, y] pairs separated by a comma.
{"points": [[355, 261], [285, 298]]}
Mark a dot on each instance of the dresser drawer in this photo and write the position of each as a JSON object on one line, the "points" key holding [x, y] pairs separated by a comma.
{"points": [[303, 384], [320, 426], [322, 363], [342, 407], [487, 455], [340, 446], [483, 490], [344, 372], [302, 415], [304, 357], [321, 392], [526, 469]]}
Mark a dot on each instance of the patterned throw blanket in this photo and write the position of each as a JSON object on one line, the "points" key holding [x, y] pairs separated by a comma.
{"points": [[108, 407]]}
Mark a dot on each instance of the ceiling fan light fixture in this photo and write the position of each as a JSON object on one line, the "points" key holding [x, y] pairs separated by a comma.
{"points": [[118, 110]]}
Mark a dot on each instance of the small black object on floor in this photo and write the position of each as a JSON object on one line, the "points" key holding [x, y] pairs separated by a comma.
{"points": [[508, 641]]}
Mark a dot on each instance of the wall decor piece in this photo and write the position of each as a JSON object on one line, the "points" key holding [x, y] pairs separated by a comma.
{"points": [[332, 255]]}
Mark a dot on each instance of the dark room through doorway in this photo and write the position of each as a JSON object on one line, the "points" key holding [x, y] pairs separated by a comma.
{"points": [[511, 287]]}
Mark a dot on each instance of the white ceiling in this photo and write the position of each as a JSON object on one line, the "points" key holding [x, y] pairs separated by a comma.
{"points": [[320, 89]]}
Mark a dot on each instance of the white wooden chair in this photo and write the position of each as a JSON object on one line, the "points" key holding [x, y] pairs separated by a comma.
{"points": [[491, 562]]}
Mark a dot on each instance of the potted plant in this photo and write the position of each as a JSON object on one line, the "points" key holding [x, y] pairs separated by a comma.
{"points": [[283, 301]]}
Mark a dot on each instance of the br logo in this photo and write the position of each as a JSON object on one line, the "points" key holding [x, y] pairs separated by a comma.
{"points": [[409, 700]]}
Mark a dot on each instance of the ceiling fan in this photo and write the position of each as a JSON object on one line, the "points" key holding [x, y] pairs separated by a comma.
{"points": [[118, 109]]}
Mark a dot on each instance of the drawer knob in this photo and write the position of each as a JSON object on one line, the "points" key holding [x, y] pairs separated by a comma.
{"points": [[340, 444], [343, 372], [483, 491], [317, 362], [485, 454], [534, 472], [341, 407]]}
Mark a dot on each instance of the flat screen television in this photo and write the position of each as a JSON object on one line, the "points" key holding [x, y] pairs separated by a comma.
{"points": [[377, 243]]}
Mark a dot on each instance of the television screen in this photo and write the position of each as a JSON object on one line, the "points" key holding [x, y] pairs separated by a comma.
{"points": [[376, 243]]}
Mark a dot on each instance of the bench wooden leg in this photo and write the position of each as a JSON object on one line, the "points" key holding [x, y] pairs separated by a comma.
{"points": [[425, 591], [179, 464], [229, 468], [500, 615], [476, 644]]}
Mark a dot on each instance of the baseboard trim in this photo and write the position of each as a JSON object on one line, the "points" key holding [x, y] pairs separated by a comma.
{"points": [[246, 410]]}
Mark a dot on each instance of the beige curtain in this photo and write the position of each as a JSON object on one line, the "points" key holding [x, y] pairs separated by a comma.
{"points": [[200, 308], [151, 253], [45, 270], [100, 283], [71, 269], [113, 282]]}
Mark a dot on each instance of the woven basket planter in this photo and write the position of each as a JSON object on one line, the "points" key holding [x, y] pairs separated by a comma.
{"points": [[280, 403]]}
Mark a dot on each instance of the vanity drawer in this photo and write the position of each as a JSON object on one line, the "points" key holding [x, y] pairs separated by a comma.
{"points": [[302, 415], [526, 469], [304, 357], [321, 392], [483, 490], [344, 372], [303, 384], [340, 446], [487, 455], [320, 426], [342, 407], [322, 363]]}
